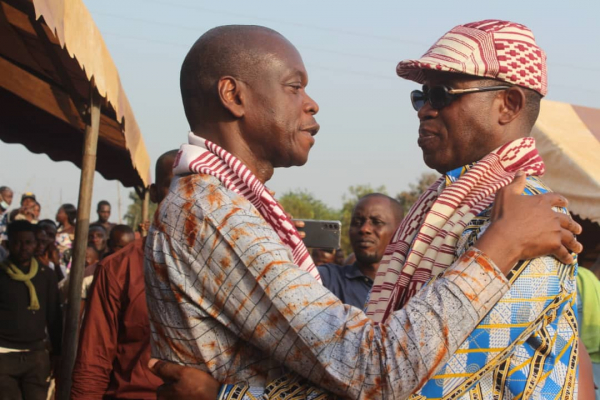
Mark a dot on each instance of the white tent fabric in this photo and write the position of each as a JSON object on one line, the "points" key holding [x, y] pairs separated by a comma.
{"points": [[568, 138]]}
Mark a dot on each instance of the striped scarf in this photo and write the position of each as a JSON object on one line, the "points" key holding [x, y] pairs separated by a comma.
{"points": [[424, 244], [201, 156]]}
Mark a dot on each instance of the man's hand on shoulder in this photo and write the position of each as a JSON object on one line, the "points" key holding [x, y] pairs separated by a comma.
{"points": [[183, 382], [526, 227]]}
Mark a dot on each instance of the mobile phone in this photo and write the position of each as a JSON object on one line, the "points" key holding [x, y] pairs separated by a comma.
{"points": [[321, 234]]}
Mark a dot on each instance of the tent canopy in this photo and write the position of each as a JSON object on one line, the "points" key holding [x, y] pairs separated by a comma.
{"points": [[49, 52], [568, 138]]}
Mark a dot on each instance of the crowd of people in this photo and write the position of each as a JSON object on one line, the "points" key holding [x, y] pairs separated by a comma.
{"points": [[473, 294], [35, 259]]}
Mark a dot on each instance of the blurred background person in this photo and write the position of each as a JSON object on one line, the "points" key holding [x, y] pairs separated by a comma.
{"points": [[6, 197], [103, 211], [65, 234], [29, 296], [374, 220], [98, 238]]}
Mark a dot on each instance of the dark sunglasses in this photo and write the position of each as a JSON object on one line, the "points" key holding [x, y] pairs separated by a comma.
{"points": [[442, 96]]}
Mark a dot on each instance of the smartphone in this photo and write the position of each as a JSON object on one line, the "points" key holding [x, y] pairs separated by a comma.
{"points": [[321, 234]]}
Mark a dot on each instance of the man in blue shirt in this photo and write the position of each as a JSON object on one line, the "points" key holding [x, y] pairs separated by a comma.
{"points": [[374, 220]]}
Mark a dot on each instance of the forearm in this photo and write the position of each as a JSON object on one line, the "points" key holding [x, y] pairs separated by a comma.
{"points": [[338, 348]]}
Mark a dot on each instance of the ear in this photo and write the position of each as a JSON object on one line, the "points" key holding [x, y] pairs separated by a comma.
{"points": [[232, 95], [513, 102]]}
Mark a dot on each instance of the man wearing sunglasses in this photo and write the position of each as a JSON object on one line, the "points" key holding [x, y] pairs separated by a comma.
{"points": [[482, 87]]}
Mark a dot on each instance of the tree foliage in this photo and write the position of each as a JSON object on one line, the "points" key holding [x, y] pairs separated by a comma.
{"points": [[408, 197], [134, 211], [302, 204]]}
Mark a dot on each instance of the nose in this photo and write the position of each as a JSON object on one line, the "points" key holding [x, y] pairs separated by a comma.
{"points": [[427, 112], [366, 228], [311, 106]]}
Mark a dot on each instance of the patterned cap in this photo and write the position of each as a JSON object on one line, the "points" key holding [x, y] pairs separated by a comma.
{"points": [[494, 49]]}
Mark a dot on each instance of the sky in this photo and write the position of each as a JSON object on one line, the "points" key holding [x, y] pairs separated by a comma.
{"points": [[350, 48]]}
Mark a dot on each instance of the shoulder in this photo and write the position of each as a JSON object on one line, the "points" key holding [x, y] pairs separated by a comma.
{"points": [[200, 207], [330, 273], [202, 195], [119, 261], [47, 272]]}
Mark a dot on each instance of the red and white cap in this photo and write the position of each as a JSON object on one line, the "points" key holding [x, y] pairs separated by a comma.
{"points": [[494, 49]]}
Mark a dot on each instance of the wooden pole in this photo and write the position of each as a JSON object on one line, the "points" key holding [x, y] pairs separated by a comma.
{"points": [[145, 207], [86, 185]]}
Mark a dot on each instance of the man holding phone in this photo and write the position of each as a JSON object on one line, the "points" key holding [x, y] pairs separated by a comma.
{"points": [[374, 220]]}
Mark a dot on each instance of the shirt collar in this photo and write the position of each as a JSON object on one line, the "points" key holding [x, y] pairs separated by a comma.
{"points": [[455, 174], [353, 272]]}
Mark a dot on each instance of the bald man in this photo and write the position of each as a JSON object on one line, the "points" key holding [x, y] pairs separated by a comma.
{"points": [[232, 290], [374, 220]]}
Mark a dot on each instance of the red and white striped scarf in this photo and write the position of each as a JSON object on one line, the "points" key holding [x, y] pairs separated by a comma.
{"points": [[201, 156], [424, 244]]}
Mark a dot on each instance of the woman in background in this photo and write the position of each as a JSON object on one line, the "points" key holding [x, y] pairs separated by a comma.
{"points": [[66, 233]]}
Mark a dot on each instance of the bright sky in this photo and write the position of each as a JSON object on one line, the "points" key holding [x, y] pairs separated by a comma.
{"points": [[350, 48]]}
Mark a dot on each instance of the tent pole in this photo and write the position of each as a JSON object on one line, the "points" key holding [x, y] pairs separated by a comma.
{"points": [[86, 185]]}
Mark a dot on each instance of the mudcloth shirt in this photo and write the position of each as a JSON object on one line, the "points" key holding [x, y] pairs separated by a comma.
{"points": [[224, 296]]}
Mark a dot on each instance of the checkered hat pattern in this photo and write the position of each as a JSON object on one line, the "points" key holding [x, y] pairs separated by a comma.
{"points": [[494, 49]]}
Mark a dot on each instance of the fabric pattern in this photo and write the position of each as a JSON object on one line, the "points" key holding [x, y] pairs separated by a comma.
{"points": [[526, 347], [424, 244], [225, 296], [494, 49], [202, 156]]}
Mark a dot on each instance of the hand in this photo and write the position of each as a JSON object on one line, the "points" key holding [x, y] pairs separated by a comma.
{"points": [[144, 227], [526, 227], [183, 382], [298, 224]]}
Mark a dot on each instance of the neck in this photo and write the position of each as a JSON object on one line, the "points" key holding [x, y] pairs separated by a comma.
{"points": [[368, 270], [233, 142], [21, 265]]}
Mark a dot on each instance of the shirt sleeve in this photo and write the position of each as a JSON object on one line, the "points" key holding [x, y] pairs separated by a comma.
{"points": [[302, 325], [98, 338], [473, 271]]}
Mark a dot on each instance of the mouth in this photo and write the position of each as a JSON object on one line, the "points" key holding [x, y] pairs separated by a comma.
{"points": [[364, 244], [312, 129], [426, 137]]}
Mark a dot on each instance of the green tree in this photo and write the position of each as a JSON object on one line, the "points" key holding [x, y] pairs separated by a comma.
{"points": [[302, 204], [134, 211], [350, 199], [408, 197]]}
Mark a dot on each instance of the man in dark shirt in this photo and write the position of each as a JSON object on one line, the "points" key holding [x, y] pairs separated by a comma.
{"points": [[103, 212], [374, 220], [28, 306]]}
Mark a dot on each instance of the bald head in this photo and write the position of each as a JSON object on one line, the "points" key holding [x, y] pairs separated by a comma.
{"points": [[239, 51], [393, 204], [163, 175]]}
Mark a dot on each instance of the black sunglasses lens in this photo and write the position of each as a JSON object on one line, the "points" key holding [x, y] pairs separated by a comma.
{"points": [[417, 99], [439, 97]]}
